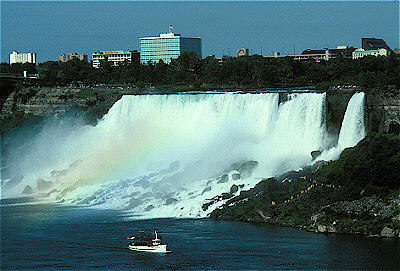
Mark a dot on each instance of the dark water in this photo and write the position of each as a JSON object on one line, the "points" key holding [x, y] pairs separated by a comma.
{"points": [[54, 237]]}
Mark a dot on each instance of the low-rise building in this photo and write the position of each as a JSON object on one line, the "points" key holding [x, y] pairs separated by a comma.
{"points": [[115, 57], [318, 54], [16, 57], [359, 53], [70, 56]]}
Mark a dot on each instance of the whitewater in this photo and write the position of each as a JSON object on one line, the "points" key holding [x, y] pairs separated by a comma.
{"points": [[167, 155]]}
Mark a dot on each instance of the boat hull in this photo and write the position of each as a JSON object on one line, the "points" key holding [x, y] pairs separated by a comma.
{"points": [[157, 248]]}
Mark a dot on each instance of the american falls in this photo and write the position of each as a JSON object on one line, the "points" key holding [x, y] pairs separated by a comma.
{"points": [[167, 155]]}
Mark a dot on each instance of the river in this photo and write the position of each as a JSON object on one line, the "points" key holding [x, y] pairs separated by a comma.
{"points": [[57, 237]]}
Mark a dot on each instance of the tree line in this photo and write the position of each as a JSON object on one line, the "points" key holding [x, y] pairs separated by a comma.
{"points": [[247, 71]]}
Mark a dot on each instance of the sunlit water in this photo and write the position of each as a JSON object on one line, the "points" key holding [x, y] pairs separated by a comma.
{"points": [[55, 237]]}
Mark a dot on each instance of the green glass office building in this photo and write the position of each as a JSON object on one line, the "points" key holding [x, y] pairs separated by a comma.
{"points": [[166, 47]]}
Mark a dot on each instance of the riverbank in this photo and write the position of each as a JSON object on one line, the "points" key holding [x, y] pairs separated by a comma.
{"points": [[357, 194]]}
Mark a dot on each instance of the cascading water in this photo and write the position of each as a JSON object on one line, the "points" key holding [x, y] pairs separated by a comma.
{"points": [[353, 127], [167, 155]]}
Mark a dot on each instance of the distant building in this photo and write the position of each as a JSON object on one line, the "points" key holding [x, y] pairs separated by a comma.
{"points": [[243, 52], [361, 53], [70, 56], [115, 57], [374, 44], [223, 58], [326, 54], [16, 57], [319, 54], [166, 47], [396, 51]]}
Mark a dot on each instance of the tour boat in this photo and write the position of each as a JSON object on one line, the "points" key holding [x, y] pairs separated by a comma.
{"points": [[147, 243]]}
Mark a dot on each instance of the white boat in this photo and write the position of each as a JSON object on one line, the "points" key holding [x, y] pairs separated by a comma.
{"points": [[147, 243]]}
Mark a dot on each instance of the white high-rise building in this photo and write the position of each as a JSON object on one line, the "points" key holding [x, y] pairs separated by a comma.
{"points": [[16, 57]]}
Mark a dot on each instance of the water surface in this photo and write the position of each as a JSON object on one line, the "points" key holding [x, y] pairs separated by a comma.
{"points": [[49, 237]]}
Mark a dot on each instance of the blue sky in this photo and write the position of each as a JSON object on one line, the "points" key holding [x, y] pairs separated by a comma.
{"points": [[51, 28]]}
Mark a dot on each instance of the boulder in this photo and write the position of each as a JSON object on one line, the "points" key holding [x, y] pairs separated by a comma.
{"points": [[246, 167], [51, 192], [174, 166], [43, 185], [149, 208], [315, 154], [28, 190], [59, 173], [133, 203], [387, 232], [235, 176], [75, 164], [321, 228], [208, 188], [170, 201], [224, 178], [234, 189], [226, 196], [315, 217]]}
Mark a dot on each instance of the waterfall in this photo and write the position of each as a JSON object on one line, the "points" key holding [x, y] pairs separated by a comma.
{"points": [[167, 155], [353, 127]]}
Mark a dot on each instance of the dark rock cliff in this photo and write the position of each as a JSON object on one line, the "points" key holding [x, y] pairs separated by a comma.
{"points": [[336, 104], [383, 112], [50, 101]]}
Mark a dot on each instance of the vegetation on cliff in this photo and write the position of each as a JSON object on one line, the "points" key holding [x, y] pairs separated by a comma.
{"points": [[359, 193]]}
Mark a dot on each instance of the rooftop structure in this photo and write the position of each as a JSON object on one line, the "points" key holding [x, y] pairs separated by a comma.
{"points": [[70, 56], [374, 44], [115, 57], [16, 57], [167, 47]]}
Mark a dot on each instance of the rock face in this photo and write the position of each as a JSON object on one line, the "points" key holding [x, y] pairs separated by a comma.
{"points": [[336, 104], [383, 112], [46, 101], [50, 101]]}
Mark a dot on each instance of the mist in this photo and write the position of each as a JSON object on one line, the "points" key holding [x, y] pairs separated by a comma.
{"points": [[165, 155]]}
